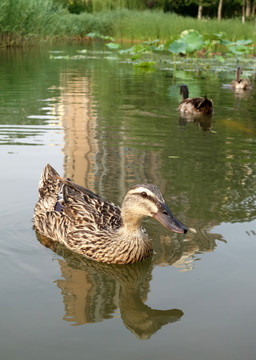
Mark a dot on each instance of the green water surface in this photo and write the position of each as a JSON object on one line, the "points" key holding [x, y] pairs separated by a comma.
{"points": [[109, 125]]}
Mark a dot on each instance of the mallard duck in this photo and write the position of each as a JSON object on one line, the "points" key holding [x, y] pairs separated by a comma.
{"points": [[100, 230], [238, 83], [197, 105]]}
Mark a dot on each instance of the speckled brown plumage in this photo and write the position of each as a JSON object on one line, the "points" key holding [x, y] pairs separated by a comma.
{"points": [[100, 230], [196, 105], [238, 83]]}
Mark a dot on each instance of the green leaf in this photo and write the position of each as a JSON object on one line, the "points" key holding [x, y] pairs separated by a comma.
{"points": [[93, 35], [124, 51], [178, 47], [194, 40], [136, 56], [139, 48], [239, 50], [113, 46], [83, 51], [243, 42], [220, 58], [145, 64]]}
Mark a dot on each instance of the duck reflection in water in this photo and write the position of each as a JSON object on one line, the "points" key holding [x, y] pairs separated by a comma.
{"points": [[94, 291], [204, 122]]}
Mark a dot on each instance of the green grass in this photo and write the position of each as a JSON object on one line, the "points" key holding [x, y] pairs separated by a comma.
{"points": [[22, 21], [148, 25]]}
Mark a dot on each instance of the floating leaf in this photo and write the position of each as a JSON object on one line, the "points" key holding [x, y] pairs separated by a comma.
{"points": [[173, 157], [139, 48], [65, 57], [243, 42], [145, 64], [220, 58], [151, 42], [84, 51], [113, 46], [124, 51], [95, 35], [239, 50], [136, 56], [158, 48]]}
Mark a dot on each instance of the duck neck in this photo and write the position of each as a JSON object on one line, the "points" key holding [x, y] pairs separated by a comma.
{"points": [[238, 73], [131, 222], [185, 93]]}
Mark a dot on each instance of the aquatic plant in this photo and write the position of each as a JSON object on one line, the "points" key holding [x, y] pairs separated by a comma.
{"points": [[191, 41], [97, 36]]}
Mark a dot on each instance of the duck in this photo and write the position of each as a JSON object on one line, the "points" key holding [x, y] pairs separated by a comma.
{"points": [[99, 230], [196, 105], [238, 83]]}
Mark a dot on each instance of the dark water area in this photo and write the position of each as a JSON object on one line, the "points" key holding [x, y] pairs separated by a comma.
{"points": [[108, 125]]}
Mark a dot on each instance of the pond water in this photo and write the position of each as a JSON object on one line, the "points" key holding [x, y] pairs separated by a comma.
{"points": [[109, 125]]}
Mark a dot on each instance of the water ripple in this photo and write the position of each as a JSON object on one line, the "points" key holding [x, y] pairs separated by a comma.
{"points": [[26, 135]]}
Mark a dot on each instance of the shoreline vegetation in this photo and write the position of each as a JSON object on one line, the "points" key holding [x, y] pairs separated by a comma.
{"points": [[25, 22]]}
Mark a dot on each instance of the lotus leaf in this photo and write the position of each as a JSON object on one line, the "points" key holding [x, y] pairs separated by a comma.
{"points": [[178, 47], [113, 46], [194, 41]]}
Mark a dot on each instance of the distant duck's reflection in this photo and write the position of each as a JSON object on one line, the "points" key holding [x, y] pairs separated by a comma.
{"points": [[94, 291]]}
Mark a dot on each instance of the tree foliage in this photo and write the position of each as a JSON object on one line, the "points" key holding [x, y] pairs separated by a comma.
{"points": [[229, 8]]}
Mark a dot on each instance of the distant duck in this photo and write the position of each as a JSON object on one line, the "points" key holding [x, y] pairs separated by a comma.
{"points": [[240, 84], [95, 228], [197, 105]]}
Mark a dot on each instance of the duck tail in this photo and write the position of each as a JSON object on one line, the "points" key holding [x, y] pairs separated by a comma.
{"points": [[49, 187]]}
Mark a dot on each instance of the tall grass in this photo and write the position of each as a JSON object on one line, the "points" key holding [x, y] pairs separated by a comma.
{"points": [[25, 20], [148, 25]]}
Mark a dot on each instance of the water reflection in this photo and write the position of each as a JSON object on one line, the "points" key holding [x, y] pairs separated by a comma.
{"points": [[204, 122], [93, 292], [77, 115]]}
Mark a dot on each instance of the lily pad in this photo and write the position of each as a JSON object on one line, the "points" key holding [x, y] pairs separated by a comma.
{"points": [[220, 58], [239, 50], [113, 46], [243, 42], [145, 64]]}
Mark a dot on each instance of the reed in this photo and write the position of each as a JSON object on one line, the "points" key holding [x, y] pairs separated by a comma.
{"points": [[26, 20], [148, 25]]}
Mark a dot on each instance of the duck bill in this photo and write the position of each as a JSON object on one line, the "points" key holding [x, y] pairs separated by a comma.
{"points": [[166, 218]]}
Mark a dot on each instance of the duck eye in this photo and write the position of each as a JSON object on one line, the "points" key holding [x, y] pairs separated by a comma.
{"points": [[144, 194]]}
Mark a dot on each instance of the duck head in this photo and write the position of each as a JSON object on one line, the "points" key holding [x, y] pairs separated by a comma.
{"points": [[184, 91], [146, 200]]}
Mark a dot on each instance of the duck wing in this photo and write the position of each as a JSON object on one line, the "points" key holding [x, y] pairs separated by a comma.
{"points": [[192, 102], [82, 205], [204, 103]]}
